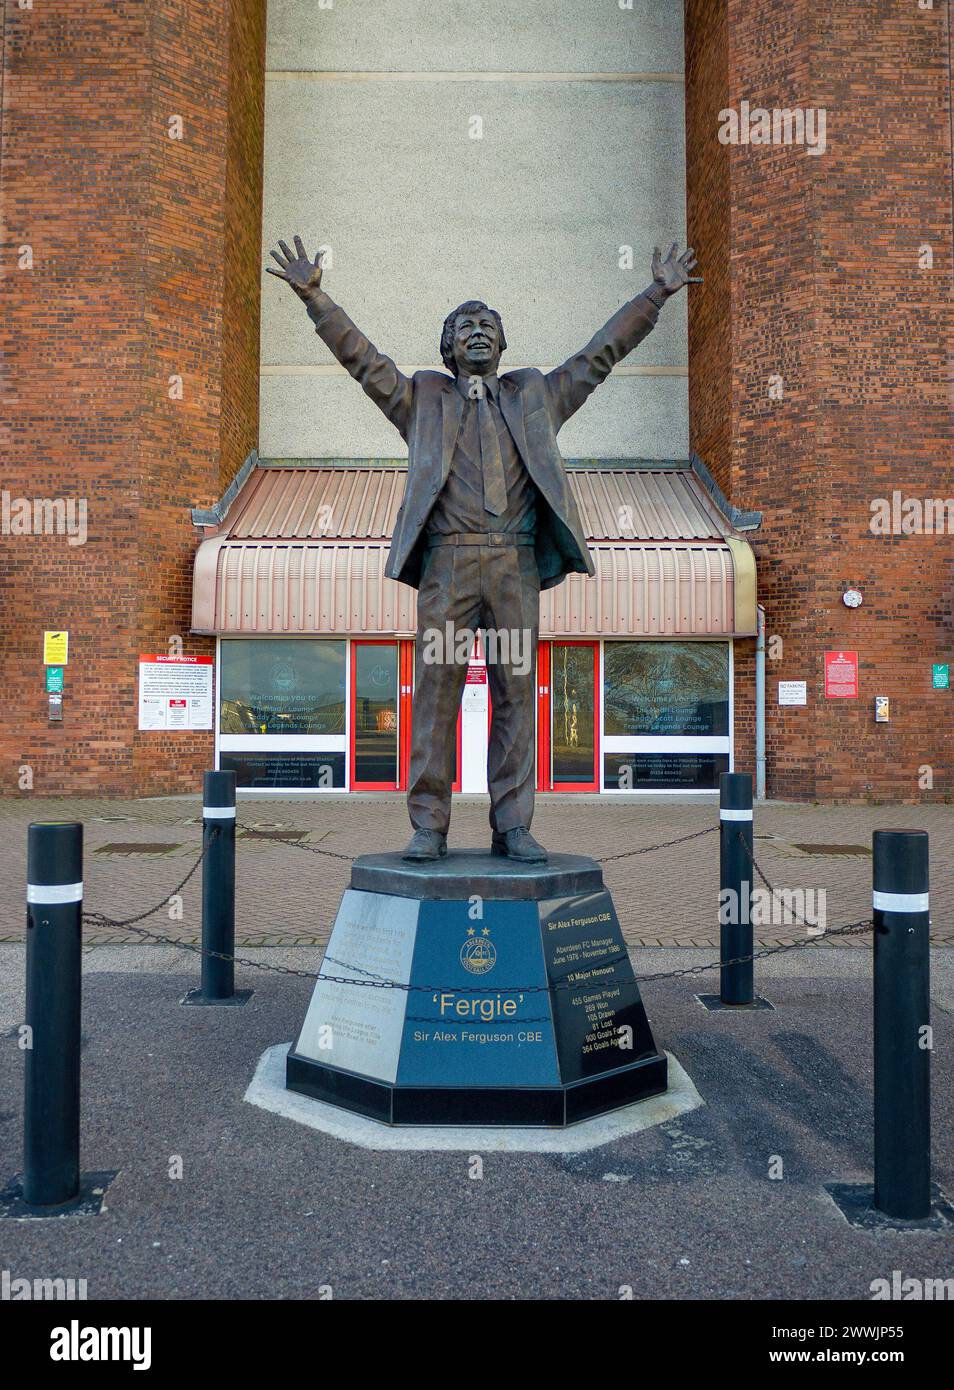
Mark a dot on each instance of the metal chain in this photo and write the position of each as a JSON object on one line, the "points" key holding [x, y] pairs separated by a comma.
{"points": [[750, 855], [666, 844], [100, 918], [314, 849], [373, 981], [350, 858], [376, 982], [607, 859], [851, 929]]}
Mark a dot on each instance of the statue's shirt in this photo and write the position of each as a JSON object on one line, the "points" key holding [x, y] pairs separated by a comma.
{"points": [[460, 505]]}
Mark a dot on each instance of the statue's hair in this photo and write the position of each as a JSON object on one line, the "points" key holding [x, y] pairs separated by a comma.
{"points": [[471, 306]]}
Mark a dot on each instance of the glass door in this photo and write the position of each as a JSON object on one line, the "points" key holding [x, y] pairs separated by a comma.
{"points": [[375, 742], [574, 716]]}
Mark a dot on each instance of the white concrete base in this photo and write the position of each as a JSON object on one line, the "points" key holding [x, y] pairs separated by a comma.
{"points": [[268, 1092]]}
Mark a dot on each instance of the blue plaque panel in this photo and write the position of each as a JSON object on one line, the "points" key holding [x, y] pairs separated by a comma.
{"points": [[478, 1027], [597, 1010]]}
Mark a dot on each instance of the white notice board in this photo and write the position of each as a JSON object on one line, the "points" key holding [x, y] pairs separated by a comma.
{"points": [[175, 692], [793, 692]]}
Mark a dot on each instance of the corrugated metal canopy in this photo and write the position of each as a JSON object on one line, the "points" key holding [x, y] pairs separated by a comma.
{"points": [[361, 502], [346, 503], [303, 550]]}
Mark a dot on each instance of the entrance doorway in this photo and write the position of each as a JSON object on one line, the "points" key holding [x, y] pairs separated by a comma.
{"points": [[568, 712], [375, 723]]}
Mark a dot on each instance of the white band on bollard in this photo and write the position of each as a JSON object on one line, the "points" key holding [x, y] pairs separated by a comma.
{"points": [[218, 812], [899, 902], [735, 815], [48, 894]]}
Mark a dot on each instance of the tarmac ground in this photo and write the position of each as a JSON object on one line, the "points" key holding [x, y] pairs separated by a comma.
{"points": [[725, 1202]]}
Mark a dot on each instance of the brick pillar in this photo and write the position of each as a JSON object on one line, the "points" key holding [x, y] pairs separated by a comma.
{"points": [[140, 271], [818, 282]]}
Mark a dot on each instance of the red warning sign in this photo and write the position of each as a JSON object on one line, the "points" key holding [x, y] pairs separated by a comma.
{"points": [[841, 675]]}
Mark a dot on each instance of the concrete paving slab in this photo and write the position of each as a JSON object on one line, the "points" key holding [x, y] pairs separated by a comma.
{"points": [[288, 894]]}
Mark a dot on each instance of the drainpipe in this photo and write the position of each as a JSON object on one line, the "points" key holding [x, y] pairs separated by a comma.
{"points": [[760, 706]]}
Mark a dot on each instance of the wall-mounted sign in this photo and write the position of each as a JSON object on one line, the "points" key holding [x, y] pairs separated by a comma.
{"points": [[940, 677], [175, 692], [793, 692], [841, 675], [56, 705], [55, 648], [882, 709], [54, 680]]}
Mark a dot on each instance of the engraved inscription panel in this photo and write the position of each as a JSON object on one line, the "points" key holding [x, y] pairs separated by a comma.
{"points": [[357, 1027]]}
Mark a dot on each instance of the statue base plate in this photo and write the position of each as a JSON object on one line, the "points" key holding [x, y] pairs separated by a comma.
{"points": [[476, 991]]}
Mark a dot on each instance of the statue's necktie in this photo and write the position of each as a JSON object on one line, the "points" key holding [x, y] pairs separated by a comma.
{"points": [[491, 463]]}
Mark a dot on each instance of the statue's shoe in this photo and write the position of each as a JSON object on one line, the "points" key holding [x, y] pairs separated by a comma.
{"points": [[518, 844], [424, 845]]}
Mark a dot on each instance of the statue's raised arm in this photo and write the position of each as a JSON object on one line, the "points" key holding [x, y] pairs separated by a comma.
{"points": [[377, 375], [569, 385]]}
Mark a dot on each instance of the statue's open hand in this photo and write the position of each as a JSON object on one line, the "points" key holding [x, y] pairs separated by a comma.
{"points": [[672, 273], [298, 271]]}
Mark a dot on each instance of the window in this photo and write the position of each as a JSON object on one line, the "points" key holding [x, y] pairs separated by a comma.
{"points": [[282, 686], [666, 715], [282, 709], [666, 688]]}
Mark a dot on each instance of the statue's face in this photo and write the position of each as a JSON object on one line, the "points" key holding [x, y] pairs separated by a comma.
{"points": [[476, 343]]}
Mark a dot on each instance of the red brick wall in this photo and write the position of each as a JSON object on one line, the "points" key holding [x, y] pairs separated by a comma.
{"points": [[134, 242], [707, 222], [243, 239], [826, 290]]}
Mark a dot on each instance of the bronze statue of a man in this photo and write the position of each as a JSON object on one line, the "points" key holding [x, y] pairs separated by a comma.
{"points": [[488, 520]]}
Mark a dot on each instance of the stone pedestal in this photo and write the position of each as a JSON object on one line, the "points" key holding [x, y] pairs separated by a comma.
{"points": [[475, 991]]}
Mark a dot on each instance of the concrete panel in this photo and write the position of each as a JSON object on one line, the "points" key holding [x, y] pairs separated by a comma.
{"points": [[420, 216], [330, 417], [492, 36]]}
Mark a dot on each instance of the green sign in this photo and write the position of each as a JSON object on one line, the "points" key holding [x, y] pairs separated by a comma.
{"points": [[54, 679], [940, 677]]}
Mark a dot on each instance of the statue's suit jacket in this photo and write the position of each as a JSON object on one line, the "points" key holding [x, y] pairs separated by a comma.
{"points": [[427, 408]]}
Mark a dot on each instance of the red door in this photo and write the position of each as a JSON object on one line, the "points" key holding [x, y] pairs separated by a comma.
{"points": [[543, 717], [568, 722], [404, 710], [375, 697]]}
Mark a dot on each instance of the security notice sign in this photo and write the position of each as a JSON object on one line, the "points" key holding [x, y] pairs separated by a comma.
{"points": [[175, 692], [841, 675]]}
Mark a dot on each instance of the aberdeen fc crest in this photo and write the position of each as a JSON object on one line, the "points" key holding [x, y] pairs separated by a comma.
{"points": [[478, 953]]}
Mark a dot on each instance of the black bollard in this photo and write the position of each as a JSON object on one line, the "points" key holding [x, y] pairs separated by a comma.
{"points": [[735, 883], [51, 1172], [218, 887], [902, 1094]]}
